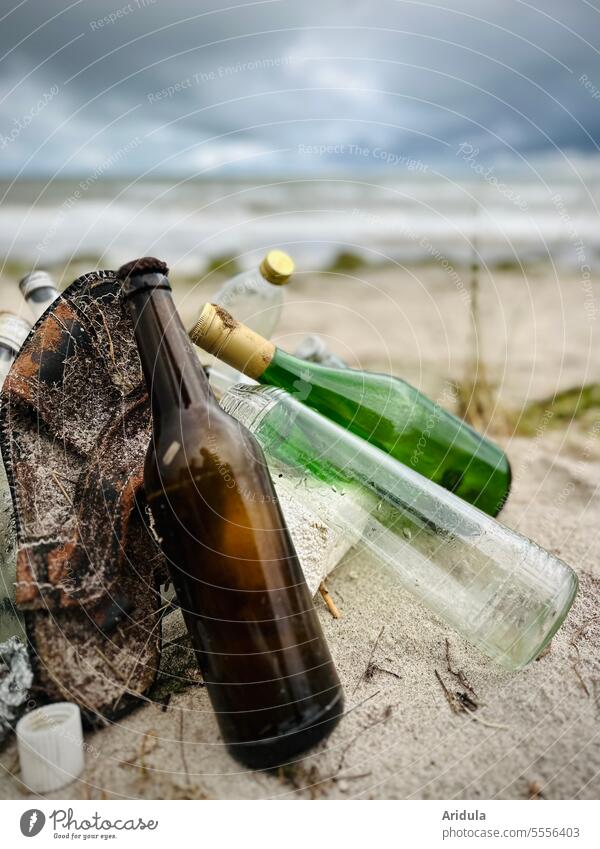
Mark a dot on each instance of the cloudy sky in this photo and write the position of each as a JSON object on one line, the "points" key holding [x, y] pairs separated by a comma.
{"points": [[273, 86]]}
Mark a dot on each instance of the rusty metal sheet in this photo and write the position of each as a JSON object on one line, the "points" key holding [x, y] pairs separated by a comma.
{"points": [[74, 429]]}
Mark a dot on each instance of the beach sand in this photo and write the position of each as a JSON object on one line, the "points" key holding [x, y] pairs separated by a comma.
{"points": [[534, 733]]}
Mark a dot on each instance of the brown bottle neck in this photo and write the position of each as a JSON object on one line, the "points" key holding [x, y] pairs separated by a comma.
{"points": [[174, 377]]}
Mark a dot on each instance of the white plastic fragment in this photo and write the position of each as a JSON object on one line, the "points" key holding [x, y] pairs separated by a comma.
{"points": [[50, 743]]}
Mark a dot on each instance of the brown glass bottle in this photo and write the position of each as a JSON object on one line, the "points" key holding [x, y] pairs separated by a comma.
{"points": [[250, 616]]}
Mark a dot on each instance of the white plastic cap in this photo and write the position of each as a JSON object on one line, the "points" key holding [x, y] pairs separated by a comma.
{"points": [[50, 742]]}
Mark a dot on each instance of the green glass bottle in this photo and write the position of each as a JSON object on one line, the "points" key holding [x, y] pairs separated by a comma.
{"points": [[380, 408]]}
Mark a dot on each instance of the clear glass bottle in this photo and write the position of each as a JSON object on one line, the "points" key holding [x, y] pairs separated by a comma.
{"points": [[39, 291], [249, 614], [313, 349], [498, 589], [13, 332], [256, 297], [382, 409]]}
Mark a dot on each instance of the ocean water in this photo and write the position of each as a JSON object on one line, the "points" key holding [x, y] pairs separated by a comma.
{"points": [[414, 218]]}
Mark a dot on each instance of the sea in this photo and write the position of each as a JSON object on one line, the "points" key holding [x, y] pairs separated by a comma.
{"points": [[412, 218]]}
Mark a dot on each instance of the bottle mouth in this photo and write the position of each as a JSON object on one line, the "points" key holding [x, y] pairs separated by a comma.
{"points": [[35, 280], [249, 404], [145, 283], [143, 274]]}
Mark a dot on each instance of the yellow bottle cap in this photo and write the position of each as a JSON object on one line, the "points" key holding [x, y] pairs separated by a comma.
{"points": [[277, 267]]}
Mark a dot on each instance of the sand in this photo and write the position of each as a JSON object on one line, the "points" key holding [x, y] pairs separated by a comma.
{"points": [[535, 733]]}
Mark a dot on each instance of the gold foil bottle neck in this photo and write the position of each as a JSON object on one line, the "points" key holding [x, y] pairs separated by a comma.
{"points": [[232, 342]]}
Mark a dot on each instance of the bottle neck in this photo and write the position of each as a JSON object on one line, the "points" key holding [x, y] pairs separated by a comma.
{"points": [[246, 351], [250, 404], [232, 342], [174, 377], [242, 285], [7, 354], [40, 299]]}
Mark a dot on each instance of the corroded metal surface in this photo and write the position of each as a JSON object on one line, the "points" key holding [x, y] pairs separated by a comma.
{"points": [[75, 425]]}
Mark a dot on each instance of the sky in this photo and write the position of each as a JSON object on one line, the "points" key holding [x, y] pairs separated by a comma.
{"points": [[166, 87]]}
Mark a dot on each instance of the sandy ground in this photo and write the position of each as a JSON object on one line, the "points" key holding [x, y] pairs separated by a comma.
{"points": [[535, 732]]}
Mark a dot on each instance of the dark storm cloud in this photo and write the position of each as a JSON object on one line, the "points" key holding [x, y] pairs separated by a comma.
{"points": [[125, 87]]}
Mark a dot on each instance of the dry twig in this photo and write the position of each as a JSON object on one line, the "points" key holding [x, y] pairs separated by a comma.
{"points": [[331, 605], [181, 743], [364, 674], [458, 673], [534, 790], [463, 703], [575, 662]]}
